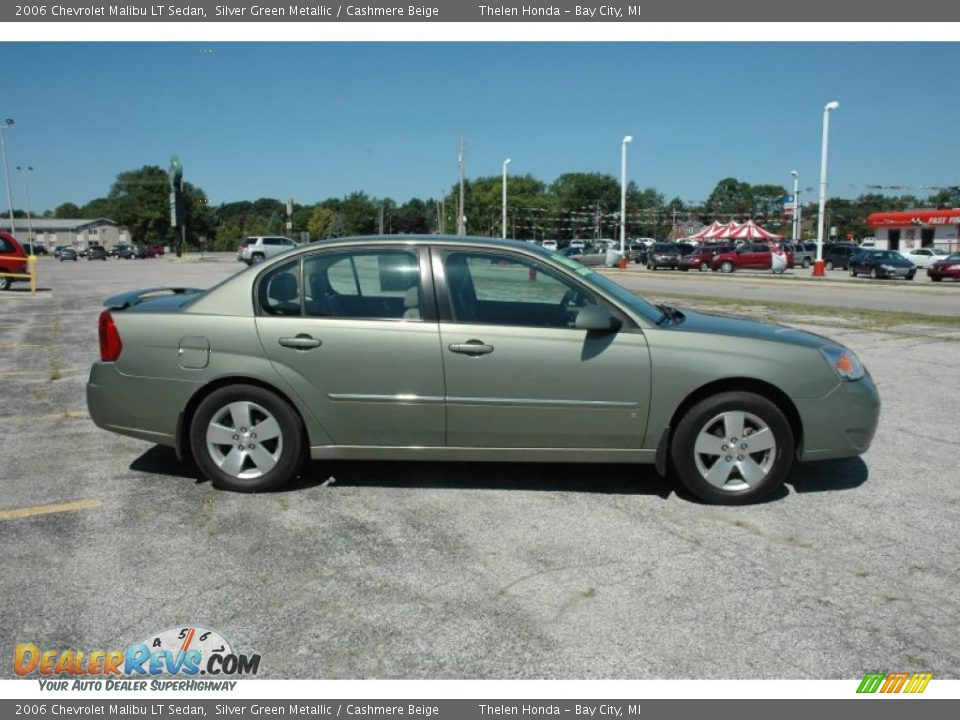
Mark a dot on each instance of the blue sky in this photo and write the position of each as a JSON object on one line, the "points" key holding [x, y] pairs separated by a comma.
{"points": [[314, 120]]}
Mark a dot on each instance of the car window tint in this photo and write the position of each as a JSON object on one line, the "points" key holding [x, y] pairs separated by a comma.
{"points": [[374, 284], [279, 290], [503, 289], [5, 246]]}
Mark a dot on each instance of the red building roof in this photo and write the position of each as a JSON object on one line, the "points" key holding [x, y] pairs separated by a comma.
{"points": [[909, 218]]}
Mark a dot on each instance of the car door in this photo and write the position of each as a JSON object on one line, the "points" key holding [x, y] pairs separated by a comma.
{"points": [[518, 375], [354, 333]]}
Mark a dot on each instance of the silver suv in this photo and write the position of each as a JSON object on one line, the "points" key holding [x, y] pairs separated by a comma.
{"points": [[257, 249]]}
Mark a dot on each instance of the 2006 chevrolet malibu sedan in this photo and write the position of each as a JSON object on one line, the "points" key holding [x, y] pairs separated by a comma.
{"points": [[468, 349]]}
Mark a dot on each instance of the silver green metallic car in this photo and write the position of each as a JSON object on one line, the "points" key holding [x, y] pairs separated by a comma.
{"points": [[468, 349]]}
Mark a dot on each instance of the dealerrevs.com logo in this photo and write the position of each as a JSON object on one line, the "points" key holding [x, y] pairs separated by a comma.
{"points": [[184, 652]]}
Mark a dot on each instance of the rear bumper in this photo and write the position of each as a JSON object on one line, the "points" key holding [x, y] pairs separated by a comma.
{"points": [[841, 424], [144, 408]]}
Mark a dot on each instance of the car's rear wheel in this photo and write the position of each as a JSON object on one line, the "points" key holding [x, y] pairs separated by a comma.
{"points": [[806, 262], [256, 258], [4, 283], [247, 439], [726, 266], [733, 448], [830, 265]]}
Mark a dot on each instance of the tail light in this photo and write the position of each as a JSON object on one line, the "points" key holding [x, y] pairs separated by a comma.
{"points": [[110, 344]]}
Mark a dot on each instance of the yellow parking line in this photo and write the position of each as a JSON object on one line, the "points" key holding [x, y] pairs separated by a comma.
{"points": [[49, 509]]}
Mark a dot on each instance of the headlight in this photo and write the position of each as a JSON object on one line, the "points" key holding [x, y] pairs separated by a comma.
{"points": [[887, 267], [844, 362]]}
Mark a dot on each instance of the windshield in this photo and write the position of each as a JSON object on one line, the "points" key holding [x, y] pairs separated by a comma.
{"points": [[616, 290], [955, 256]]}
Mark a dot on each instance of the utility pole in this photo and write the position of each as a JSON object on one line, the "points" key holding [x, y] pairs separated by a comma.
{"points": [[381, 219], [461, 219]]}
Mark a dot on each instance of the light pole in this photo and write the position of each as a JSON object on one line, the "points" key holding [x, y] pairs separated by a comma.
{"points": [[623, 194], [796, 204], [26, 189], [8, 122], [503, 222], [818, 265]]}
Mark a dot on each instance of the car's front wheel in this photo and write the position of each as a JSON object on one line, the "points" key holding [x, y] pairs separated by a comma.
{"points": [[726, 266], [247, 439], [733, 448], [806, 263]]}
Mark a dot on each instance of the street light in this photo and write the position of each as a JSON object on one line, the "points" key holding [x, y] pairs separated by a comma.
{"points": [[8, 122], [623, 194], [504, 203], [818, 265], [796, 204], [26, 190]]}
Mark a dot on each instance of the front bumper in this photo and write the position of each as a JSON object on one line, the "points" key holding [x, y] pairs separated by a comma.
{"points": [[842, 423]]}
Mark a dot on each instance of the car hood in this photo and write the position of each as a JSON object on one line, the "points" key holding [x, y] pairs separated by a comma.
{"points": [[730, 325]]}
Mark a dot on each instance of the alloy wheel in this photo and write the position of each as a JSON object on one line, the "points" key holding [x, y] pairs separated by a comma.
{"points": [[244, 440], [735, 451]]}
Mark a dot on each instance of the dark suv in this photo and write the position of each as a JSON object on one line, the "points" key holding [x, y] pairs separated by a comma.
{"points": [[663, 255], [837, 256], [96, 252]]}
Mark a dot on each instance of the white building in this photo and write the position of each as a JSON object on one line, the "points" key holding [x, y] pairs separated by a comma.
{"points": [[79, 233], [916, 228]]}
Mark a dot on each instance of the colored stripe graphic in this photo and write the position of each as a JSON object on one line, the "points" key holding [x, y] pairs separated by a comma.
{"points": [[894, 682]]}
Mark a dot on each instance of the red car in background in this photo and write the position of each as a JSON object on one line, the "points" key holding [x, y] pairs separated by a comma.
{"points": [[752, 256], [701, 256], [154, 250], [949, 267], [12, 259]]}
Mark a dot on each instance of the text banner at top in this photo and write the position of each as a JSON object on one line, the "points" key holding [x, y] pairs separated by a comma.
{"points": [[472, 11]]}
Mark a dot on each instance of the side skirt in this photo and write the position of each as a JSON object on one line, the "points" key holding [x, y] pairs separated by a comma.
{"points": [[477, 454]]}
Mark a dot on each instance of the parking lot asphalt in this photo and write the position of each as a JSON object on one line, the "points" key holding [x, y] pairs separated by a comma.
{"points": [[418, 570]]}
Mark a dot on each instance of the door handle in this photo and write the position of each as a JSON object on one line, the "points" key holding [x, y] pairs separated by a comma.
{"points": [[300, 342], [471, 347]]}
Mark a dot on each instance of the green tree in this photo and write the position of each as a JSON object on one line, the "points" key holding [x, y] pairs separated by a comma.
{"points": [[140, 201], [320, 222], [731, 197], [67, 210]]}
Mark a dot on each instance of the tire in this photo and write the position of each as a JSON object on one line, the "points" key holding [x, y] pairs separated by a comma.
{"points": [[234, 413], [874, 274], [704, 267], [709, 475], [910, 276], [726, 266], [806, 263], [935, 278], [257, 258], [4, 283], [853, 273], [830, 265]]}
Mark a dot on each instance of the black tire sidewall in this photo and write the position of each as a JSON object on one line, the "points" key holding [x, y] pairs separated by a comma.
{"points": [[291, 428], [684, 438]]}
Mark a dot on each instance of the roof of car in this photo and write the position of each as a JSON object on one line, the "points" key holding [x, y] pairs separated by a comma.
{"points": [[421, 238]]}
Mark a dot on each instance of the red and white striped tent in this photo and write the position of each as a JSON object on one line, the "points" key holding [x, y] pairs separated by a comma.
{"points": [[726, 232], [705, 234], [751, 231]]}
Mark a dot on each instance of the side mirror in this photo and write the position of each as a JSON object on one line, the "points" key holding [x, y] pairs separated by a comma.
{"points": [[593, 318]]}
